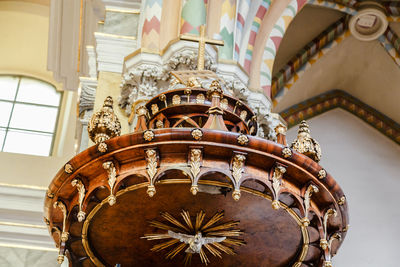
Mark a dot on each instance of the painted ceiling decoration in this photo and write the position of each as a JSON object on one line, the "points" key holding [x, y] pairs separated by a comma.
{"points": [[391, 42], [290, 73], [273, 43], [322, 103], [284, 79]]}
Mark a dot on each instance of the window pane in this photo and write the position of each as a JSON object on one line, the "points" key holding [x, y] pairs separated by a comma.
{"points": [[33, 117], [8, 87], [5, 111], [2, 134], [28, 143], [38, 92]]}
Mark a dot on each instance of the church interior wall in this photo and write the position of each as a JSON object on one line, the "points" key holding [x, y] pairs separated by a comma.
{"points": [[27, 23], [366, 165]]}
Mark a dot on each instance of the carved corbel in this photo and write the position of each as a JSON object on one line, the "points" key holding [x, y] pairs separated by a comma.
{"points": [[307, 201], [238, 161], [81, 191], [195, 157], [324, 241], [277, 175], [328, 252], [151, 159], [112, 178], [64, 234]]}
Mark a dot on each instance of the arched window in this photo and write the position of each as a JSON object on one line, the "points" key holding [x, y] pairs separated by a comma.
{"points": [[28, 115]]}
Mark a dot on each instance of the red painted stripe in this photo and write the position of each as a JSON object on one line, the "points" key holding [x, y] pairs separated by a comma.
{"points": [[153, 24]]}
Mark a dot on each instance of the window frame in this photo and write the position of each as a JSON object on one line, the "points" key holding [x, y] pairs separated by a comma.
{"points": [[14, 102]]}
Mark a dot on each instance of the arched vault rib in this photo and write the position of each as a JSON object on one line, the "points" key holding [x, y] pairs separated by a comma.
{"points": [[339, 99], [261, 72], [319, 46]]}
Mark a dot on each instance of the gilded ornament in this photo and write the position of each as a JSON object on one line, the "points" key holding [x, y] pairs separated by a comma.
{"points": [[176, 100], [81, 193], [286, 152], [154, 108], [59, 204], [307, 201], [243, 139], [195, 158], [159, 124], [238, 104], [148, 135], [197, 134], [324, 242], [280, 129], [102, 147], [276, 185], [151, 158], [322, 174], [64, 235], [164, 99], [342, 200], [328, 256], [196, 237], [187, 93], [305, 144], [68, 168], [224, 103], [104, 124], [193, 82], [49, 194], [237, 170], [215, 90], [243, 115], [200, 99], [142, 111], [112, 178], [46, 221], [346, 228]]}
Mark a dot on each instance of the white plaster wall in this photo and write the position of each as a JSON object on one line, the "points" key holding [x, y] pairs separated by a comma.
{"points": [[366, 164]]}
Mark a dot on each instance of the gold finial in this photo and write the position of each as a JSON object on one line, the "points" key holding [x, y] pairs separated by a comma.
{"points": [[104, 125], [305, 144], [202, 40]]}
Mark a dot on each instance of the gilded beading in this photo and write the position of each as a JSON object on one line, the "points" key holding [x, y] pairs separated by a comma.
{"points": [[286, 152], [148, 135], [243, 139], [197, 134], [322, 174], [68, 168]]}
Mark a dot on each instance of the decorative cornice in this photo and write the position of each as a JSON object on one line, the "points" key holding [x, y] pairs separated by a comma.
{"points": [[111, 51], [23, 226], [339, 99]]}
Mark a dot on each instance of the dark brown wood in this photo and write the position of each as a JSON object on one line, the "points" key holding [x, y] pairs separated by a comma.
{"points": [[235, 164]]}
